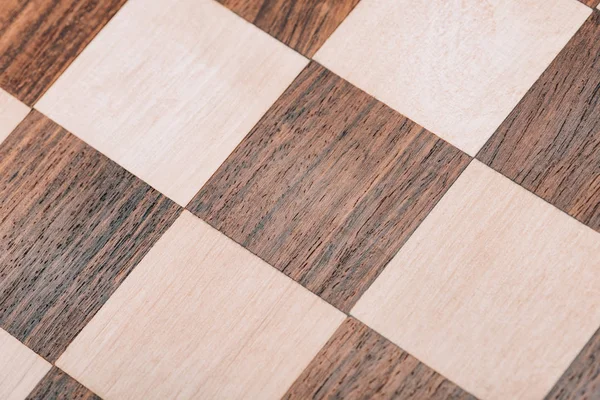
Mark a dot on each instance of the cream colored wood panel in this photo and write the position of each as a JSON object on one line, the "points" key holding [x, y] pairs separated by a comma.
{"points": [[20, 368], [497, 290], [200, 317], [169, 91], [456, 67], [12, 112]]}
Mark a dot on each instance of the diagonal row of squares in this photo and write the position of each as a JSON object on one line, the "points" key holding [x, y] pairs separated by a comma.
{"points": [[468, 271]]}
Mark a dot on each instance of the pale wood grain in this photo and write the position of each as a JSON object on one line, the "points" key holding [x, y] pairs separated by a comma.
{"points": [[12, 112], [497, 289], [200, 317], [20, 368], [168, 92], [550, 142], [455, 67]]}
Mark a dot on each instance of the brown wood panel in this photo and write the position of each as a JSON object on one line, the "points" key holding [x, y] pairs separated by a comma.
{"points": [[358, 363], [40, 38], [582, 379], [590, 3], [550, 143], [73, 224], [304, 25], [329, 185], [57, 385]]}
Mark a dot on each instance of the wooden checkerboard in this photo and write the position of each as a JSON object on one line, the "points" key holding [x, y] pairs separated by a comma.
{"points": [[306, 199]]}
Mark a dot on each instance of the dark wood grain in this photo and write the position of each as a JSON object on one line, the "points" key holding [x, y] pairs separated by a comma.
{"points": [[590, 3], [40, 38], [358, 363], [57, 385], [550, 143], [73, 224], [304, 25], [581, 380], [329, 185]]}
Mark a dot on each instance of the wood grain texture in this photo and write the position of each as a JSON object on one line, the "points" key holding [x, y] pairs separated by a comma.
{"points": [[582, 379], [57, 385], [168, 92], [40, 38], [328, 185], [20, 368], [200, 317], [73, 224], [358, 363], [12, 111], [497, 290], [455, 67], [590, 3], [550, 143], [304, 25]]}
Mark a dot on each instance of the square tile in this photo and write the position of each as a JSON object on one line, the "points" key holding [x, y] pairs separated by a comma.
{"points": [[12, 112], [455, 67], [302, 25], [20, 368], [200, 317], [72, 226], [40, 38], [358, 363], [328, 185], [497, 290], [57, 385], [168, 92], [550, 142]]}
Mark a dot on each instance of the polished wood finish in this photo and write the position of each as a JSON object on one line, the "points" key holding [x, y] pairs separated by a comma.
{"points": [[582, 379], [57, 385], [40, 38], [550, 143], [73, 224], [304, 25], [329, 185], [358, 363]]}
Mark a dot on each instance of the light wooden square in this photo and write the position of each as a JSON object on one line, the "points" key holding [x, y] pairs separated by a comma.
{"points": [[168, 90], [12, 112], [456, 67], [497, 290], [200, 317], [20, 368]]}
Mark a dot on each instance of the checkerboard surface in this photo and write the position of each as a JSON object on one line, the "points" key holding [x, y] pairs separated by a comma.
{"points": [[318, 199]]}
